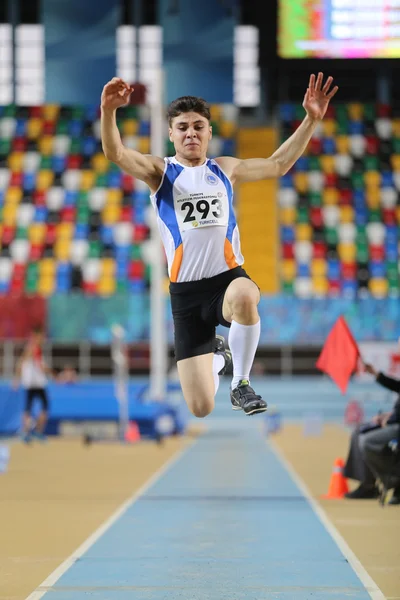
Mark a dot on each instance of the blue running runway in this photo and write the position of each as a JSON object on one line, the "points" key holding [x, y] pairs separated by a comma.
{"points": [[226, 521]]}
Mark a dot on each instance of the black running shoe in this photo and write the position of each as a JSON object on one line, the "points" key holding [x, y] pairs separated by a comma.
{"points": [[244, 397], [363, 492], [220, 348]]}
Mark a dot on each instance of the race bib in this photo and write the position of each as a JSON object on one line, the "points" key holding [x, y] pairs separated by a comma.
{"points": [[201, 210]]}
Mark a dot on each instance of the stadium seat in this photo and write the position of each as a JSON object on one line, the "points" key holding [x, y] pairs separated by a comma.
{"points": [[343, 200]]}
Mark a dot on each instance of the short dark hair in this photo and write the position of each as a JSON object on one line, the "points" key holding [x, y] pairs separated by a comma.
{"points": [[186, 104]]}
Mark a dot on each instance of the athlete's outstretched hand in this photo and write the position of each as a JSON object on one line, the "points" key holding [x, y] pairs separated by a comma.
{"points": [[115, 94], [317, 98]]}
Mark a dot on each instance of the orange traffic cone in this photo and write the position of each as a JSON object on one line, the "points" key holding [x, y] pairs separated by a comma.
{"points": [[338, 484], [132, 432]]}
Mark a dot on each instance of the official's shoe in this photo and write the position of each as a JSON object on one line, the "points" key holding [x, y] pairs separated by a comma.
{"points": [[395, 499], [220, 348], [243, 397], [363, 493]]}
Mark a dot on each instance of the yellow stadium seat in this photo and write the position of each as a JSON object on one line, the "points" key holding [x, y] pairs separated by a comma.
{"points": [[372, 178], [47, 267], [342, 144], [330, 196], [227, 129], [87, 180], [114, 196], [346, 214], [144, 145], [347, 251], [46, 285], [398, 214], [15, 161], [65, 231], [395, 161], [10, 214], [373, 196], [45, 145], [215, 112], [329, 127], [396, 127], [130, 127], [111, 214], [106, 286], [1, 233], [108, 267], [62, 249], [318, 267], [288, 215], [44, 179], [100, 163], [34, 128], [378, 286], [327, 163], [320, 285], [50, 112], [303, 232], [355, 111], [36, 233], [288, 269], [13, 195], [301, 182]]}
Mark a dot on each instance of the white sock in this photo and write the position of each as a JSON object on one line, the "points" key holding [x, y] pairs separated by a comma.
{"points": [[243, 342], [218, 364]]}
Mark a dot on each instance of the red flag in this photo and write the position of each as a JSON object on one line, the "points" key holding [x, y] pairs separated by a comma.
{"points": [[339, 356]]}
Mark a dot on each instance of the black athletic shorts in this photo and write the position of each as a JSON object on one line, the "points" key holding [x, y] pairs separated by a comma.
{"points": [[197, 310], [40, 394]]}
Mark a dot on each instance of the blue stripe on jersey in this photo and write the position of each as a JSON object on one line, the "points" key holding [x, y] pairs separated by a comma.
{"points": [[165, 202], [214, 167]]}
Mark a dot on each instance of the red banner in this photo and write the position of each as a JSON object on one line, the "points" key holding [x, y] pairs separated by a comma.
{"points": [[20, 314]]}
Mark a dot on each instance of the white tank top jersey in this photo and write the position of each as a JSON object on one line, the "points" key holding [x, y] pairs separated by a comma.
{"points": [[32, 374], [194, 207]]}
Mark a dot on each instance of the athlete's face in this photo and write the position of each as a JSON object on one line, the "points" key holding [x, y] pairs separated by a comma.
{"points": [[190, 134]]}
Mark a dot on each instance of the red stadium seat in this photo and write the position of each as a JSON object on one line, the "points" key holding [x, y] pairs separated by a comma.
{"points": [[287, 250], [377, 252], [319, 250], [372, 144], [316, 216], [349, 270], [19, 144]]}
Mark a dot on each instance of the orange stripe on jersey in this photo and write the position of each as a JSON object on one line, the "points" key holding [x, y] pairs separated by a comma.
{"points": [[176, 263], [229, 255]]}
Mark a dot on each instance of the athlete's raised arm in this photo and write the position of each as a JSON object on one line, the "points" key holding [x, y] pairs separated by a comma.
{"points": [[142, 166], [315, 103]]}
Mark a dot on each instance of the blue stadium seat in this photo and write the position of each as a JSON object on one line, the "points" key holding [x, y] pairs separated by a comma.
{"points": [[89, 146], [41, 214], [356, 127], [107, 234], [58, 163], [81, 231], [70, 198], [333, 268]]}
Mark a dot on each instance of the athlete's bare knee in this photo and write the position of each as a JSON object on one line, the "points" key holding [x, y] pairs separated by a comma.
{"points": [[244, 303], [201, 409]]}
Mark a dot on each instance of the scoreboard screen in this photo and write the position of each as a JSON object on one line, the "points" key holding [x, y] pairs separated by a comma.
{"points": [[339, 29]]}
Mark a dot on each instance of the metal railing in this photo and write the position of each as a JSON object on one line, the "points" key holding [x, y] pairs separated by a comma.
{"points": [[94, 360]]}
